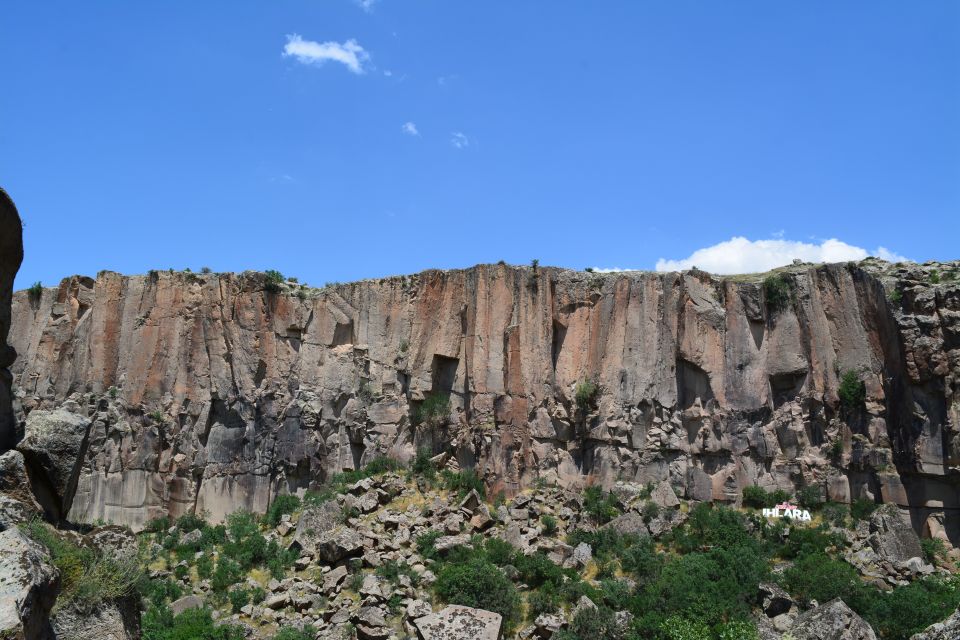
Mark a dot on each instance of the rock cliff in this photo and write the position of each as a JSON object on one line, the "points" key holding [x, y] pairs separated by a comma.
{"points": [[11, 255], [219, 391]]}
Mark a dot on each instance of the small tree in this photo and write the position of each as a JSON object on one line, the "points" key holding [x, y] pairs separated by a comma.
{"points": [[852, 391], [36, 290], [584, 393], [777, 293]]}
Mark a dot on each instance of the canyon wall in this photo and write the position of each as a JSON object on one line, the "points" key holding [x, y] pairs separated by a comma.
{"points": [[219, 391], [11, 255]]}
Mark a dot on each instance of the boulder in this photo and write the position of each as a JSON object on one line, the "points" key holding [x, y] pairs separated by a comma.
{"points": [[314, 522], [832, 621], [893, 539], [28, 587], [115, 620], [342, 542], [186, 602], [53, 446], [14, 481], [456, 622], [630, 523], [664, 497]]}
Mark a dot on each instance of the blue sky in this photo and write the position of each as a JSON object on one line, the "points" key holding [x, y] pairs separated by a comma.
{"points": [[139, 135]]}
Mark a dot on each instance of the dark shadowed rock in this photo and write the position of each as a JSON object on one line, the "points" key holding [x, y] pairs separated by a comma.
{"points": [[11, 255]]}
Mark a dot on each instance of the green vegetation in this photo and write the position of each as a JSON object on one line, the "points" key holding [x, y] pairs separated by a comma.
{"points": [[309, 632], [601, 506], [434, 411], [585, 393], [934, 550], [35, 290], [852, 391], [273, 281], [758, 497], [862, 508], [549, 524], [896, 297], [422, 464], [463, 482], [481, 584], [281, 505], [159, 623], [934, 277], [87, 576], [777, 293]]}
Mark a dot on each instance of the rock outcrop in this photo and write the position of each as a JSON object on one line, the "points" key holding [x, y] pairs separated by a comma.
{"points": [[218, 391], [11, 255], [949, 629], [832, 621], [28, 587]]}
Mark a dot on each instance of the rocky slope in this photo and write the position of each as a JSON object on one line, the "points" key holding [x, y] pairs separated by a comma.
{"points": [[220, 391]]}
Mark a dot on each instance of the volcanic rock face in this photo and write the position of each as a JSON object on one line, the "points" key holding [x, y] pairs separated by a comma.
{"points": [[11, 255], [218, 391]]}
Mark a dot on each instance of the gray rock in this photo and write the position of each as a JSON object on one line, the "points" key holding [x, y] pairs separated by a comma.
{"points": [[832, 621], [628, 523], [333, 578], [582, 554], [113, 620], [54, 445], [548, 624], [893, 539], [28, 586], [774, 600], [664, 497], [184, 603], [314, 522], [455, 622]]}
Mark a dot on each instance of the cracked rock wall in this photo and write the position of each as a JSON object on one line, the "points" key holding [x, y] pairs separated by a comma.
{"points": [[209, 391]]}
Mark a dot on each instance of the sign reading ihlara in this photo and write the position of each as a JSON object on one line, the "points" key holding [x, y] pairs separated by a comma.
{"points": [[787, 510]]}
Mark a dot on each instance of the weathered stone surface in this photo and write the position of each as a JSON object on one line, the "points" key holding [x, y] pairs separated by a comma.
{"points": [[186, 602], [110, 621], [54, 445], [459, 623], [832, 621], [28, 587], [628, 523], [11, 255], [14, 481], [314, 522], [701, 384], [892, 538], [337, 544]]}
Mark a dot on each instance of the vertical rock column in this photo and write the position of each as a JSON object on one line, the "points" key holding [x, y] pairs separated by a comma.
{"points": [[11, 255]]}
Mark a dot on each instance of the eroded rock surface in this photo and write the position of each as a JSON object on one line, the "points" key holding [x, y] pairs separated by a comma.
{"points": [[28, 587], [11, 255], [211, 392], [832, 621], [459, 623]]}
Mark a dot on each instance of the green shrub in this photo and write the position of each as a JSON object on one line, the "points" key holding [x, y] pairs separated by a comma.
{"points": [[282, 504], [227, 574], [425, 543], [355, 581], [755, 496], [896, 297], [190, 521], [480, 584], [679, 628], [809, 497], [777, 293], [157, 525], [594, 624], [273, 280], [87, 576], [862, 508], [836, 447], [159, 623], [808, 540], [392, 570], [852, 391], [544, 600], [584, 393], [258, 595], [642, 561], [239, 598], [159, 591], [934, 277], [181, 571], [434, 411], [499, 552], [205, 566], [36, 290], [817, 576], [537, 569], [549, 524], [836, 514], [649, 511], [309, 632], [600, 505], [423, 465], [934, 549], [899, 614], [464, 482], [737, 630]]}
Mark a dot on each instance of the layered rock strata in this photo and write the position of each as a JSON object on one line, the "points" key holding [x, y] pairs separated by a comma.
{"points": [[219, 391]]}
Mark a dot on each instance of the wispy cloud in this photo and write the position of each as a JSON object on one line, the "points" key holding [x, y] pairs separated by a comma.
{"points": [[410, 129], [459, 140], [348, 53], [366, 5], [611, 269], [740, 255]]}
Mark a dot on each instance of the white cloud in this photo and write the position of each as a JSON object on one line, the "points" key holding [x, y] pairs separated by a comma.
{"points": [[410, 128], [459, 140], [348, 53], [739, 255], [611, 269], [366, 5]]}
